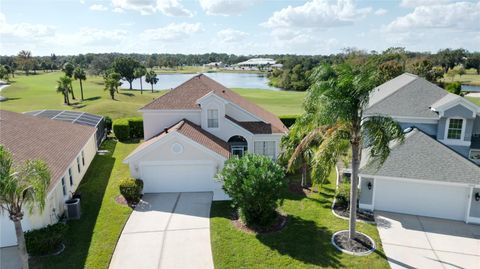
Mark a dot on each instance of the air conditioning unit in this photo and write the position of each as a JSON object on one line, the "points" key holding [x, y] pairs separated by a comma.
{"points": [[73, 208]]}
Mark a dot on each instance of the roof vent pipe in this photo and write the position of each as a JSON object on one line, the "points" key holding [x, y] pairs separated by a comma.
{"points": [[166, 130]]}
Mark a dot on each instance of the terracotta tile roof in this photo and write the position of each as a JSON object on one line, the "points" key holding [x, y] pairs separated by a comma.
{"points": [[185, 96], [255, 127], [56, 142], [192, 131]]}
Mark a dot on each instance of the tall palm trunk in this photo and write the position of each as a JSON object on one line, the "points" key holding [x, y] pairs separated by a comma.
{"points": [[152, 86], [67, 98], [355, 143], [141, 86], [22, 249], [130, 81], [81, 88], [71, 90], [304, 174]]}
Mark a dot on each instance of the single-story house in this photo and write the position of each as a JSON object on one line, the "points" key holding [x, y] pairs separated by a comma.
{"points": [[67, 148]]}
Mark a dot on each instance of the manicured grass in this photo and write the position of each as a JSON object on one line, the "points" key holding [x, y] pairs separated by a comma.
{"points": [[90, 241], [471, 77], [38, 92], [303, 243], [475, 100], [277, 102]]}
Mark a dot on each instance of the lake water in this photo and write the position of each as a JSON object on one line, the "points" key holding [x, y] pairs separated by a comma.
{"points": [[470, 88], [230, 80]]}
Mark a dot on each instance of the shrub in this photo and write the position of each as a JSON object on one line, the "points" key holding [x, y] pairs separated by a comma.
{"points": [[343, 194], [131, 189], [256, 185], [454, 87], [45, 240], [108, 124], [289, 120], [136, 127], [121, 129]]}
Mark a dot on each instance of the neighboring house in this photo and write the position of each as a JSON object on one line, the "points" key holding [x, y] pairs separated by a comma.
{"points": [[67, 148], [191, 131], [435, 171]]}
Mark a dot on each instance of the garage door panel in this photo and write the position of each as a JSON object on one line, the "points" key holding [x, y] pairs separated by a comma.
{"points": [[185, 177], [433, 200]]}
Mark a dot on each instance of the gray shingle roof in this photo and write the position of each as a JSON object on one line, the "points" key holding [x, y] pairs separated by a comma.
{"points": [[409, 96], [422, 157]]}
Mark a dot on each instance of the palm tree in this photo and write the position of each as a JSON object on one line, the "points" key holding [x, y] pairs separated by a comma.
{"points": [[139, 72], [25, 60], [337, 98], [64, 86], [112, 81], [22, 187], [151, 77], [79, 73]]}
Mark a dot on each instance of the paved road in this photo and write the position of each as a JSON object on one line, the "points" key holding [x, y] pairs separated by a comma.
{"points": [[168, 230], [421, 242]]}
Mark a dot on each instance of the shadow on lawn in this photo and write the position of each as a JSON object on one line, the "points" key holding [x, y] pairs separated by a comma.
{"points": [[304, 241], [78, 239]]}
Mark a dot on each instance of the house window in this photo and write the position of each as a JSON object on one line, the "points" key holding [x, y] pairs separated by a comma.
{"points": [[64, 188], [266, 148], [83, 158], [212, 118], [455, 127], [70, 175], [78, 164]]}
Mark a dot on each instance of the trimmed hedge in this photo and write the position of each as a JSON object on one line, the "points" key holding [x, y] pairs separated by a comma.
{"points": [[131, 189], [136, 127], [121, 129], [108, 124], [45, 240], [289, 120]]}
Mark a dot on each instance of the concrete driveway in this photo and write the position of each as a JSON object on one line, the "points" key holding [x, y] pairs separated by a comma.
{"points": [[421, 242], [167, 230]]}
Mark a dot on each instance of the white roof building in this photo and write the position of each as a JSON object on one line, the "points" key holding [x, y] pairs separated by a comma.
{"points": [[257, 62]]}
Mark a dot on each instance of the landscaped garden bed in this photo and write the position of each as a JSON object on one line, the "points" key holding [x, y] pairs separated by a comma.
{"points": [[361, 245], [344, 211]]}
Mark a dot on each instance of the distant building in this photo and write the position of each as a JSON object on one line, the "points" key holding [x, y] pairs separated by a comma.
{"points": [[257, 62], [214, 65]]}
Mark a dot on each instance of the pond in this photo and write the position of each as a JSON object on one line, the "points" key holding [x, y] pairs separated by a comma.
{"points": [[470, 88], [230, 80]]}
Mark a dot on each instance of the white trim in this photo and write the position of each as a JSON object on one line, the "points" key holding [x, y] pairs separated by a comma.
{"points": [[469, 204], [415, 119], [473, 220], [211, 93], [420, 180], [453, 142], [234, 123], [154, 111], [462, 134], [458, 101], [177, 162], [200, 146]]}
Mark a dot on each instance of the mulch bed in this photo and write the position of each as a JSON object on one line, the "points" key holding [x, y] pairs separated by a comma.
{"points": [[297, 189], [361, 243], [361, 214], [279, 223], [119, 199]]}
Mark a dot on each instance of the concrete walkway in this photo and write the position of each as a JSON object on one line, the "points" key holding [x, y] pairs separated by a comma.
{"points": [[421, 242], [167, 230]]}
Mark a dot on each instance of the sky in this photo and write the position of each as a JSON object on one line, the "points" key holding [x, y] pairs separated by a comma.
{"points": [[247, 27]]}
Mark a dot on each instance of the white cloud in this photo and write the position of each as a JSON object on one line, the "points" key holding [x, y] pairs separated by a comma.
{"points": [[380, 12], [87, 36], [317, 14], [457, 16], [171, 32], [225, 7], [147, 7], [118, 10], [230, 35], [98, 7], [82, 2], [173, 8], [24, 30], [416, 3]]}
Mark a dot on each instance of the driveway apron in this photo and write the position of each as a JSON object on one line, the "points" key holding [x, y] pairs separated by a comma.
{"points": [[167, 230]]}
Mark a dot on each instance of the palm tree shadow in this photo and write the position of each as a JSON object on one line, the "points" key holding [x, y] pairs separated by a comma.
{"points": [[305, 241]]}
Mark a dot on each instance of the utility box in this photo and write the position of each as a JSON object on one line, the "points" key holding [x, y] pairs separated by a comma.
{"points": [[73, 208]]}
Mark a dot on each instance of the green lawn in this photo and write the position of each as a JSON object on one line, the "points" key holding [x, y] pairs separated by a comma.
{"points": [[474, 100], [303, 243], [91, 240], [38, 92], [471, 77]]}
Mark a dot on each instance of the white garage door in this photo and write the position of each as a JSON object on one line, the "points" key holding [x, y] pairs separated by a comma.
{"points": [[185, 177], [7, 232], [414, 198]]}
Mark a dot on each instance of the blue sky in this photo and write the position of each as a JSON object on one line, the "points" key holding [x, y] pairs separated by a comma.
{"points": [[236, 26]]}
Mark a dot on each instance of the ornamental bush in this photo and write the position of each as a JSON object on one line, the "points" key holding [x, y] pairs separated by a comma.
{"points": [[136, 127], [256, 185], [121, 129], [46, 240], [131, 189], [343, 194]]}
